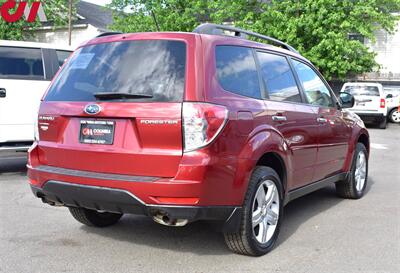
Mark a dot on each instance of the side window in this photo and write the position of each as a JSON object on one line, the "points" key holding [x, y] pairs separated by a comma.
{"points": [[62, 55], [278, 78], [21, 63], [315, 89], [236, 70]]}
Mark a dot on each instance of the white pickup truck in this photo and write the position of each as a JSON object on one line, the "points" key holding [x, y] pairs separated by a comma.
{"points": [[370, 102], [26, 70], [393, 102]]}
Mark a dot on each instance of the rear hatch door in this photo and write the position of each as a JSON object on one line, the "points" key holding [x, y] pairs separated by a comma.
{"points": [[116, 108]]}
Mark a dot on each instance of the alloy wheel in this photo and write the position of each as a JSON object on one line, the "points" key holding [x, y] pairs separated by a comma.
{"points": [[360, 171], [395, 116], [265, 213]]}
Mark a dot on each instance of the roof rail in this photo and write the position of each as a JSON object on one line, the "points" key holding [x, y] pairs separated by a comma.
{"points": [[108, 34], [215, 29]]}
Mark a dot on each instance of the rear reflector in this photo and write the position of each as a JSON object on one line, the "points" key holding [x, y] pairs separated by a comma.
{"points": [[202, 122], [178, 200], [33, 181]]}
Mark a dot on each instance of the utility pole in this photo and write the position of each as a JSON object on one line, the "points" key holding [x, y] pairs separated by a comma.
{"points": [[69, 22], [155, 20]]}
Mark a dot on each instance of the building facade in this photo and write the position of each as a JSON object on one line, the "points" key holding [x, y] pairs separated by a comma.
{"points": [[91, 20], [387, 47]]}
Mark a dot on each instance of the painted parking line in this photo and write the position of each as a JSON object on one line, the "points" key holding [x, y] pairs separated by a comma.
{"points": [[379, 146]]}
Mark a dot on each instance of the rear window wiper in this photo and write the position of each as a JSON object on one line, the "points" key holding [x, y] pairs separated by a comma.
{"points": [[120, 95]]}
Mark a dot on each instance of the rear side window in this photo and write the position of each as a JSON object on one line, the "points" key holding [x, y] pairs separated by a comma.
{"points": [[236, 71], [62, 56], [278, 78], [147, 68], [363, 90], [21, 63]]}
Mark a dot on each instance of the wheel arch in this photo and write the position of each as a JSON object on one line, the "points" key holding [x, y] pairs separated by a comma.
{"points": [[364, 139], [360, 136], [267, 147], [275, 161]]}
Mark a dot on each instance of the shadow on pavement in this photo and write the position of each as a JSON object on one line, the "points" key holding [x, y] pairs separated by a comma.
{"points": [[300, 210], [200, 238], [13, 162]]}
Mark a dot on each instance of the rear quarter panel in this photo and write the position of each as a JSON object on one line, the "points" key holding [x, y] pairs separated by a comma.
{"points": [[247, 137], [358, 129]]}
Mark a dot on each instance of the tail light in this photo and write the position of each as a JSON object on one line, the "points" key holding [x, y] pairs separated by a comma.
{"points": [[202, 122], [383, 103]]}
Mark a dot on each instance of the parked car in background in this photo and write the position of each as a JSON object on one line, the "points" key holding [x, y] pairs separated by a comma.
{"points": [[26, 70], [203, 126], [370, 102], [393, 103]]}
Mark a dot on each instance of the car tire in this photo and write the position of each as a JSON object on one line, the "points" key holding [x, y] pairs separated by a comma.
{"points": [[254, 239], [394, 115], [383, 123], [94, 218], [353, 187]]}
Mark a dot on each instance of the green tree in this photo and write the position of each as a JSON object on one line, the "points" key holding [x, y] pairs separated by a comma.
{"points": [[176, 15], [319, 29], [56, 12]]}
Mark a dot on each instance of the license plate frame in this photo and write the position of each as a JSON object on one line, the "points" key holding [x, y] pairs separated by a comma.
{"points": [[94, 131]]}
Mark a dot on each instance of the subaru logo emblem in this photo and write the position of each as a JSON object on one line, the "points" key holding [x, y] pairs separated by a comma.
{"points": [[92, 109]]}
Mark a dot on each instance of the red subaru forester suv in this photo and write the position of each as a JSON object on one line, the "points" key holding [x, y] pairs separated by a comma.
{"points": [[194, 126]]}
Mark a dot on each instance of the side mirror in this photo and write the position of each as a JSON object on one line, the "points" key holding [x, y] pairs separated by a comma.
{"points": [[389, 96], [346, 100]]}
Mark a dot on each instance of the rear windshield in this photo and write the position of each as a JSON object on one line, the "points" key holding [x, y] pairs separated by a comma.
{"points": [[362, 90], [154, 68]]}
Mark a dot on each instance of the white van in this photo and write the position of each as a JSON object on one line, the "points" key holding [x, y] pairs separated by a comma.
{"points": [[370, 102], [26, 70]]}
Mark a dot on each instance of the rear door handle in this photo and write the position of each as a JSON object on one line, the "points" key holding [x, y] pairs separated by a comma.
{"points": [[322, 120], [3, 92], [279, 118]]}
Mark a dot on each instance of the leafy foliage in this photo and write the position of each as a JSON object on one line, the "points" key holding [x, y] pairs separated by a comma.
{"points": [[176, 15], [56, 12], [319, 29]]}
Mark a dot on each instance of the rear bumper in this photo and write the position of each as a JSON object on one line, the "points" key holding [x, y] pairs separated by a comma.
{"points": [[150, 190], [14, 146], [371, 117], [201, 179], [122, 201]]}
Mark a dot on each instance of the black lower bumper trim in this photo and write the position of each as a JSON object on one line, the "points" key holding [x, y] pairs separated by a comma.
{"points": [[121, 201], [372, 117], [91, 197]]}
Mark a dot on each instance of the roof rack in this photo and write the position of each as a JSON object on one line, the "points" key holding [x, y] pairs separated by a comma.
{"points": [[215, 29], [108, 34]]}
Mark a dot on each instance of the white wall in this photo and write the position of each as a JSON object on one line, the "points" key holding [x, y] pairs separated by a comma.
{"points": [[388, 48], [60, 36]]}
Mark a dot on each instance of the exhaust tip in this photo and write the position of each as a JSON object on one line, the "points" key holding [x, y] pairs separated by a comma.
{"points": [[167, 221]]}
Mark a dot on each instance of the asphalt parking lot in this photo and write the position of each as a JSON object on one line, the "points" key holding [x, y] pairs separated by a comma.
{"points": [[320, 233]]}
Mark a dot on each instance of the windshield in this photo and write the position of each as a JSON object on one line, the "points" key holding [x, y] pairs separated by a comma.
{"points": [[362, 90], [152, 68]]}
